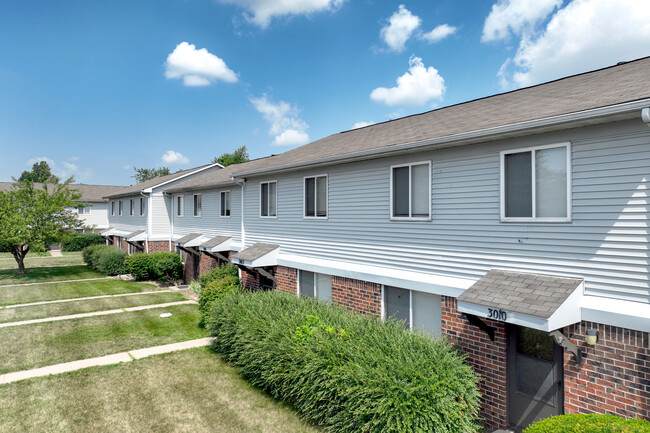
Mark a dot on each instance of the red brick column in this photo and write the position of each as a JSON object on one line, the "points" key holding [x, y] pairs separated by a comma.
{"points": [[359, 296], [487, 357], [155, 246], [614, 376], [206, 263], [287, 279]]}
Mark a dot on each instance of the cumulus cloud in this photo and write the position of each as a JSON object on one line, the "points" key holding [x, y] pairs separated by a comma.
{"points": [[261, 12], [197, 67], [584, 35], [439, 33], [399, 29], [516, 17], [174, 158], [362, 124], [286, 125], [418, 86]]}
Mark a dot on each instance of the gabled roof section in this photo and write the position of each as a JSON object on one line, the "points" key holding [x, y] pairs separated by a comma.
{"points": [[257, 255], [185, 239], [89, 193], [217, 243], [146, 186]]}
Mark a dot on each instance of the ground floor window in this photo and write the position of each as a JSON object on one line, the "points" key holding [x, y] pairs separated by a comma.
{"points": [[315, 285], [417, 310]]}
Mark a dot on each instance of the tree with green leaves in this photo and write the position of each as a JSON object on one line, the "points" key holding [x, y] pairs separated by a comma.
{"points": [[238, 156], [41, 173], [31, 217], [144, 174]]}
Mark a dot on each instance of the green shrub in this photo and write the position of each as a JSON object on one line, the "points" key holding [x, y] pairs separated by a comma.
{"points": [[215, 288], [591, 423], [195, 287], [90, 254], [166, 266], [227, 269], [349, 372], [79, 241], [110, 261], [139, 265]]}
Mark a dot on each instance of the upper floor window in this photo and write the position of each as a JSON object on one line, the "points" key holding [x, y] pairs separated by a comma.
{"points": [[316, 197], [142, 205], [83, 210], [119, 208], [180, 203], [225, 203], [411, 191], [268, 199], [113, 208], [536, 184], [197, 205], [315, 285], [132, 207]]}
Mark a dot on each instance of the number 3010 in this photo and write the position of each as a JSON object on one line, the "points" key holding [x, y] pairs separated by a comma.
{"points": [[497, 314]]}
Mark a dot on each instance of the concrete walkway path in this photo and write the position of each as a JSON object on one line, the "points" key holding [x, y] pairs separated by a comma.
{"points": [[56, 253], [102, 360], [94, 313], [87, 298]]}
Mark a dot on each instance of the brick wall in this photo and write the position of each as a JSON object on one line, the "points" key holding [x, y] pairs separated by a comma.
{"points": [[155, 246], [487, 357], [359, 296], [287, 279], [191, 267], [614, 376]]}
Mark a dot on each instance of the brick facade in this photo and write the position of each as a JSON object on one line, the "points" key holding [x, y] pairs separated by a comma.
{"points": [[487, 357], [287, 279], [614, 376], [359, 296], [155, 246]]}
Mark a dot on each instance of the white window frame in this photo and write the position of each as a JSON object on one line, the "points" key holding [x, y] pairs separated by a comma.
{"points": [[131, 207], [197, 210], [276, 199], [180, 207], [83, 210], [299, 291], [534, 218], [409, 218], [327, 198], [113, 208], [221, 210], [142, 206], [120, 207], [383, 304]]}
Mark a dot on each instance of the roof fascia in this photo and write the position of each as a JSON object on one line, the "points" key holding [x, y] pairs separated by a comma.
{"points": [[151, 188], [178, 189]]}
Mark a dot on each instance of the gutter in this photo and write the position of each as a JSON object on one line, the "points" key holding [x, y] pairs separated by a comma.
{"points": [[148, 227], [242, 183], [627, 110]]}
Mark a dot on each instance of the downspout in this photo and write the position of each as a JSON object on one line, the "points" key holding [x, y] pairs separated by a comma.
{"points": [[242, 183], [148, 227], [171, 233], [645, 116]]}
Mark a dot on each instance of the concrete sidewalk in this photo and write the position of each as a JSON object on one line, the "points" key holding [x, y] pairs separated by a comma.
{"points": [[56, 282], [102, 360]]}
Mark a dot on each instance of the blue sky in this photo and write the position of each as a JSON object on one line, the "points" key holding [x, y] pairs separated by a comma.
{"points": [[98, 87]]}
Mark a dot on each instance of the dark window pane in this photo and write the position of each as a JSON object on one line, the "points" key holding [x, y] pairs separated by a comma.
{"points": [[265, 199], [321, 199], [398, 304], [227, 203], [518, 184], [401, 192], [310, 193], [307, 284]]}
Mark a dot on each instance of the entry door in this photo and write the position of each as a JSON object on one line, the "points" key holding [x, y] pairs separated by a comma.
{"points": [[535, 373]]}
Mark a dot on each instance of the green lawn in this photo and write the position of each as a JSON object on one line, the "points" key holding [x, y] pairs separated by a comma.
{"points": [[38, 262], [71, 253], [87, 306], [21, 294], [9, 256], [44, 274], [188, 391], [30, 346]]}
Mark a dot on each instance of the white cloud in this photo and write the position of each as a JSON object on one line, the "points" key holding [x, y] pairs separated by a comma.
{"points": [[264, 10], [127, 167], [399, 29], [516, 16], [286, 126], [582, 36], [33, 161], [362, 124], [66, 169], [418, 86], [175, 158], [439, 33], [197, 67]]}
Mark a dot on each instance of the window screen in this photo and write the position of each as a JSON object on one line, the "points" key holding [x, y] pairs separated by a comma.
{"points": [[397, 304], [307, 284], [518, 185], [401, 191]]}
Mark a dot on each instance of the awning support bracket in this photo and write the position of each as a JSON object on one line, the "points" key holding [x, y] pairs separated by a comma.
{"points": [[476, 321], [216, 255], [563, 341], [267, 274], [190, 250]]}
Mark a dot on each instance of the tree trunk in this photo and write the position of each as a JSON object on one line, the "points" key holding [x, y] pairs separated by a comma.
{"points": [[19, 252]]}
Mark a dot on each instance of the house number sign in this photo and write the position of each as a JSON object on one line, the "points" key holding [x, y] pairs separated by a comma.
{"points": [[495, 314]]}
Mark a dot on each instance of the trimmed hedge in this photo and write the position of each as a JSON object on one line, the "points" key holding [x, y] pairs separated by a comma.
{"points": [[590, 423], [79, 241], [227, 269], [106, 259], [163, 266], [213, 284], [348, 372]]}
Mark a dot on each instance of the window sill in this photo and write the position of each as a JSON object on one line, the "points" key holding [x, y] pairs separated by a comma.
{"points": [[410, 218], [224, 216], [269, 217], [537, 220], [314, 218]]}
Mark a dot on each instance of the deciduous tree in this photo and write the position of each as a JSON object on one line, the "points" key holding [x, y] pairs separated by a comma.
{"points": [[144, 174], [41, 172], [238, 156]]}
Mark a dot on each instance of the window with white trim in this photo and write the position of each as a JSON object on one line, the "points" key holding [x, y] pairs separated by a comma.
{"points": [[417, 310], [180, 202], [315, 285], [315, 197], [225, 203], [112, 208], [535, 184], [119, 207], [197, 205], [142, 206], [268, 199], [411, 191], [83, 210], [132, 207]]}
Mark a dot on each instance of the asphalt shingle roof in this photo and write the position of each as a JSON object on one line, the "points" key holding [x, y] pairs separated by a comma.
{"points": [[525, 293], [89, 193], [185, 239], [217, 240], [255, 251]]}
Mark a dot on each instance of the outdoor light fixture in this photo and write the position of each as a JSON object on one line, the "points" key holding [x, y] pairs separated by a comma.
{"points": [[592, 337]]}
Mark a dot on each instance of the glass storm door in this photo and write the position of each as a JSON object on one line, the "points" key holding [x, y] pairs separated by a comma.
{"points": [[535, 373]]}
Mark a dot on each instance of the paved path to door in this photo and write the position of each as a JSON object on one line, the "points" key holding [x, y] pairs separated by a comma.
{"points": [[102, 360]]}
